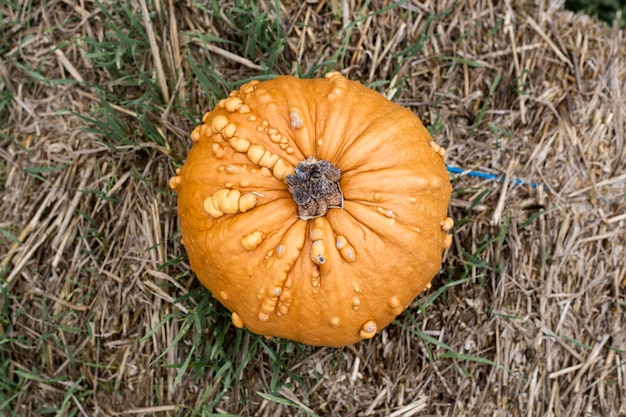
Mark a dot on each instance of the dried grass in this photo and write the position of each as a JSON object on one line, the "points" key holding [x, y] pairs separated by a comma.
{"points": [[91, 260]]}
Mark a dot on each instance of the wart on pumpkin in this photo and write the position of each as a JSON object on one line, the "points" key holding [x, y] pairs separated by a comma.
{"points": [[319, 254], [295, 119], [252, 240], [227, 201], [256, 153], [368, 330], [345, 249]]}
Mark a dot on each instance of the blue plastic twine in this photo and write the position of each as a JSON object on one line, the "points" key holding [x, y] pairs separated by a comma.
{"points": [[478, 174]]}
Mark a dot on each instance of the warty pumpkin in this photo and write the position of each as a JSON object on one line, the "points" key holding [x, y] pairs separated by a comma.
{"points": [[313, 209]]}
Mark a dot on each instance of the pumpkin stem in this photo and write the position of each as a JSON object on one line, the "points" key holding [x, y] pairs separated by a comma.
{"points": [[315, 188]]}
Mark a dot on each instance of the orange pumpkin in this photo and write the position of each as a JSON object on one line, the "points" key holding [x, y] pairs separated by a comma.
{"points": [[314, 210]]}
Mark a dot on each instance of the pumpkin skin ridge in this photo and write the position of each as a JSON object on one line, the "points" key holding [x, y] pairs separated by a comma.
{"points": [[297, 231], [261, 113], [383, 289], [367, 232], [304, 331], [375, 222], [335, 153], [362, 180], [367, 229], [336, 296], [329, 118], [403, 140], [341, 114], [352, 139], [272, 239], [254, 305], [373, 290], [295, 94], [197, 158], [367, 137], [397, 199]]}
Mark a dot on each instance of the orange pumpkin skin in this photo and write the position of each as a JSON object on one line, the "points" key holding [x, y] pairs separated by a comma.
{"points": [[335, 279]]}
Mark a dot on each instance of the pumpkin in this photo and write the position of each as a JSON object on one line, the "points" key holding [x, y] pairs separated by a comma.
{"points": [[314, 210]]}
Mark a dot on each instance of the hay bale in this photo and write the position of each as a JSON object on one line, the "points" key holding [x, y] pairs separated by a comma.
{"points": [[527, 316]]}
